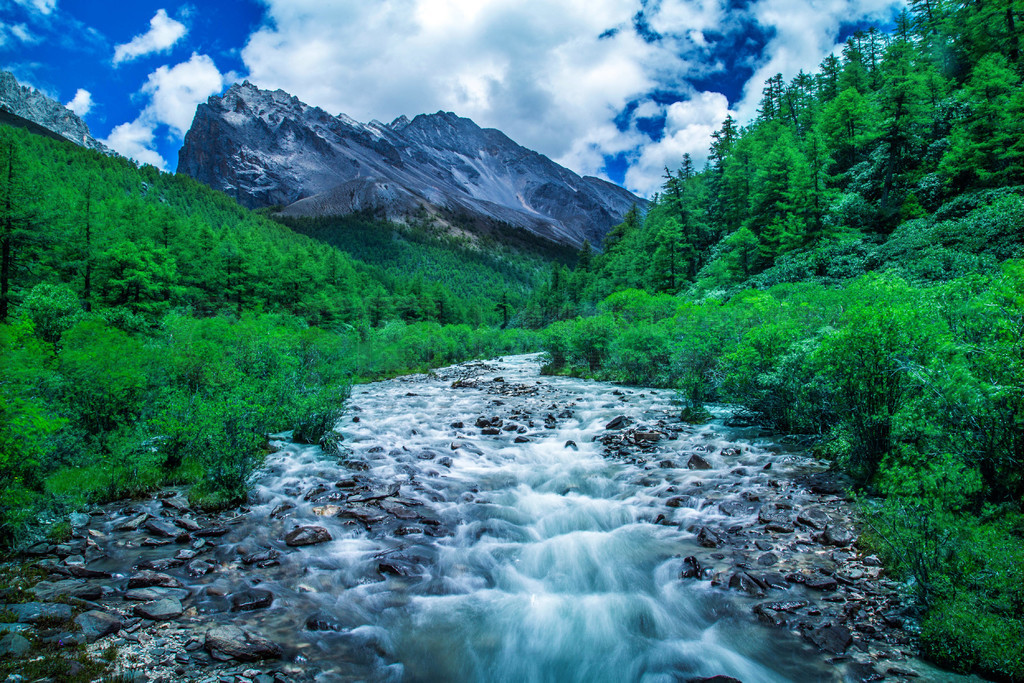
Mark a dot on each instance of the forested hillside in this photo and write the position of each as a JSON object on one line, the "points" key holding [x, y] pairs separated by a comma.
{"points": [[152, 331], [847, 267]]}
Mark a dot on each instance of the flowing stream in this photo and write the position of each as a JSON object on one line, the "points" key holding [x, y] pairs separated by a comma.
{"points": [[486, 524], [532, 561]]}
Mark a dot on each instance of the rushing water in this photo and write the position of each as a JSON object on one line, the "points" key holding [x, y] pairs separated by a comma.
{"points": [[498, 560], [531, 561]]}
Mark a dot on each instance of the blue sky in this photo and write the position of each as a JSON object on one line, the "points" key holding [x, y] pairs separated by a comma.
{"points": [[615, 88]]}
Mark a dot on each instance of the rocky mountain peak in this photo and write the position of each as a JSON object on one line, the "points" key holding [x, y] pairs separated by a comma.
{"points": [[32, 105], [268, 148]]}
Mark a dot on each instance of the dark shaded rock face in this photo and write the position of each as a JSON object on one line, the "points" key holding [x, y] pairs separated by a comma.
{"points": [[35, 107], [267, 148]]}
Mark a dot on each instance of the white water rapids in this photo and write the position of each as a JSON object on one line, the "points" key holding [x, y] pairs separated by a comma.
{"points": [[531, 561]]}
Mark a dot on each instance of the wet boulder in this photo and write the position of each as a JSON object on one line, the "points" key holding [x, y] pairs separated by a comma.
{"points": [[816, 518], [251, 599], [163, 609], [691, 568], [96, 624], [619, 422], [832, 639], [697, 462], [837, 536], [38, 612], [307, 535], [160, 529], [147, 578], [241, 644], [708, 538]]}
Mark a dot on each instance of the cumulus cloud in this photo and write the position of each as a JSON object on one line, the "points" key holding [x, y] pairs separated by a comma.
{"points": [[81, 103], [163, 33], [173, 93], [135, 140], [574, 80]]}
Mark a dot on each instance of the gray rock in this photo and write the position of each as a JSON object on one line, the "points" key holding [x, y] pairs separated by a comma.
{"points": [[837, 536], [147, 579], [307, 535], [697, 462], [161, 529], [619, 422], [254, 598], [36, 612], [14, 645], [155, 593], [241, 644], [833, 639], [134, 523], [814, 518], [96, 624], [159, 610]]}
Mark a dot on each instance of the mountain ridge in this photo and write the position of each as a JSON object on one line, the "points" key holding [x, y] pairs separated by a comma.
{"points": [[268, 148], [33, 106]]}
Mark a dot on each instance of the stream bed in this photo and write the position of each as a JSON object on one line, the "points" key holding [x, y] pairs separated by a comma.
{"points": [[485, 523]]}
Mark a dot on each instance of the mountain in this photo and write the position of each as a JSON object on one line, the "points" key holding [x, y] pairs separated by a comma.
{"points": [[266, 148], [19, 104]]}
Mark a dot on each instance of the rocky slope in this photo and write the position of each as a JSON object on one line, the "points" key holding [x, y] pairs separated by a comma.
{"points": [[267, 148], [32, 105]]}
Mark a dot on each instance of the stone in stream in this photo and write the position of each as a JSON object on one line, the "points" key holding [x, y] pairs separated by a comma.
{"points": [[708, 539], [155, 593], [262, 558], [163, 609], [96, 624], [241, 644], [251, 599], [76, 588], [147, 578], [821, 582], [160, 529], [199, 568], [187, 523], [696, 462], [768, 559], [619, 422], [813, 517], [571, 444], [777, 521], [832, 639], [490, 431], [133, 524], [714, 679], [160, 565], [837, 536], [691, 568], [210, 532], [748, 583], [323, 622], [307, 535]]}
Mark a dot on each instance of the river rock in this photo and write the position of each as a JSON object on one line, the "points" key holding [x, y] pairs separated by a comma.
{"points": [[96, 624], [748, 583], [36, 612], [768, 559], [241, 644], [160, 610], [199, 568], [262, 558], [691, 568], [837, 536], [134, 523], [696, 462], [619, 422], [814, 518], [251, 599], [307, 535], [833, 639], [714, 679], [14, 645], [210, 532], [161, 564], [323, 622], [147, 578], [708, 539], [161, 529], [155, 593], [821, 582]]}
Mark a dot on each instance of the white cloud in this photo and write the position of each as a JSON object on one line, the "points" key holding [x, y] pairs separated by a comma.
{"points": [[554, 76], [163, 33], [81, 103], [175, 91], [688, 129], [173, 94], [40, 6], [135, 140]]}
